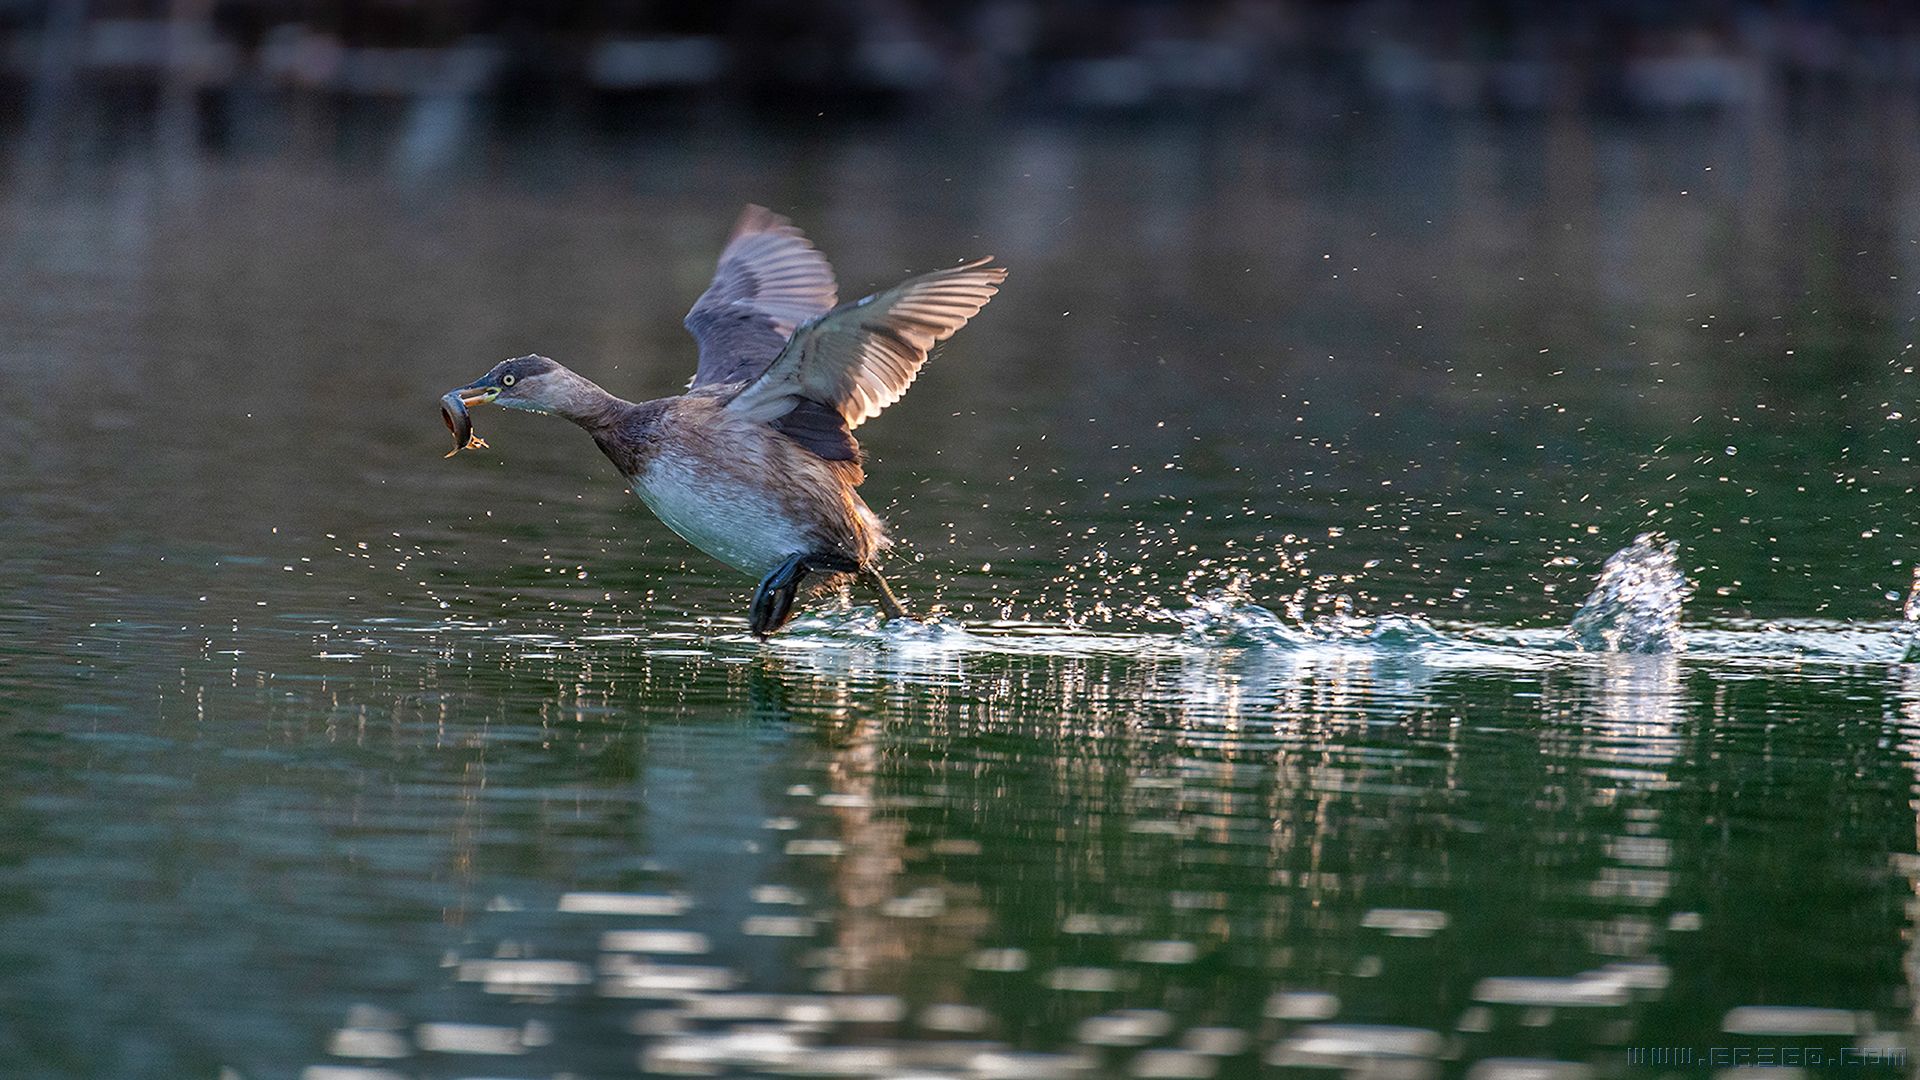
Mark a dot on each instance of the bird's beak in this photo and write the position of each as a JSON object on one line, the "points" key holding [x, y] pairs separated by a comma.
{"points": [[476, 395]]}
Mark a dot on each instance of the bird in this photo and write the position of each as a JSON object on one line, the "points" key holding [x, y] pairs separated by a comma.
{"points": [[756, 464]]}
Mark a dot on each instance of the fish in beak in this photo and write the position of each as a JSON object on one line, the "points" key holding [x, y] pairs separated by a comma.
{"points": [[453, 412]]}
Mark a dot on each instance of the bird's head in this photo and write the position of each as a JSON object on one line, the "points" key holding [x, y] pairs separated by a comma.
{"points": [[532, 383], [529, 383]]}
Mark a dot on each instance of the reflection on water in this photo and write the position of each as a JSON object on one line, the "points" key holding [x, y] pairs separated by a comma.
{"points": [[1249, 737], [854, 857]]}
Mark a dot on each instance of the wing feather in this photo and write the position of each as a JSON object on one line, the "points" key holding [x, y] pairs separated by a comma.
{"points": [[860, 357], [769, 281]]}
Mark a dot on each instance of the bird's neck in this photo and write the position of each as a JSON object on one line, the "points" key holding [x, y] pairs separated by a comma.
{"points": [[581, 400]]}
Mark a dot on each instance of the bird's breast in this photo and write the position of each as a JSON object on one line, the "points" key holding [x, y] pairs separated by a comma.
{"points": [[726, 512]]}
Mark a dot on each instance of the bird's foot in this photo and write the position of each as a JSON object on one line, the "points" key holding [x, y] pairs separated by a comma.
{"points": [[773, 599]]}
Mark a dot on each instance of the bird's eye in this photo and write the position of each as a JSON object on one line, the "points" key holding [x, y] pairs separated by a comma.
{"points": [[506, 380]]}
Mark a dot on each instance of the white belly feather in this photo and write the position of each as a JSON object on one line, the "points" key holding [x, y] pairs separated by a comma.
{"points": [[731, 522]]}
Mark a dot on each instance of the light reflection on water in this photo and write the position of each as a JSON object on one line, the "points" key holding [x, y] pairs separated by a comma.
{"points": [[912, 854], [1224, 758]]}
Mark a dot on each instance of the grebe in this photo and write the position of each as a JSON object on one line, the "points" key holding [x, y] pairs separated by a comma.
{"points": [[756, 463]]}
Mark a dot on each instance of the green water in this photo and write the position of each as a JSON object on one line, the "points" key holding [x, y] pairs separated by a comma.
{"points": [[317, 750]]}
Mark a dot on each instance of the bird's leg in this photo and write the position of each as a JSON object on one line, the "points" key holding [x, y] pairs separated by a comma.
{"points": [[773, 600], [890, 605]]}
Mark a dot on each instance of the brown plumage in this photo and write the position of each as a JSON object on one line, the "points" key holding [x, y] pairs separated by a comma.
{"points": [[757, 464]]}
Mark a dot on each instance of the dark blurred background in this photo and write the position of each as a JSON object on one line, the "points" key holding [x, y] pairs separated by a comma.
{"points": [[223, 63]]}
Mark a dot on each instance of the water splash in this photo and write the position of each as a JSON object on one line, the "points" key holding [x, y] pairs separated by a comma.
{"points": [[855, 624], [1911, 625], [1226, 617], [1635, 606]]}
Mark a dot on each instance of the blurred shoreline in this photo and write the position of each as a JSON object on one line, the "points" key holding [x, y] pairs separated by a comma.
{"points": [[214, 65]]}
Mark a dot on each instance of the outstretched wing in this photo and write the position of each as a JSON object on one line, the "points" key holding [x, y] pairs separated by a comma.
{"points": [[770, 280], [860, 357]]}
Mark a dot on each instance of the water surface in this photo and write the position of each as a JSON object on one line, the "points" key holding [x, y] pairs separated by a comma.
{"points": [[1249, 738]]}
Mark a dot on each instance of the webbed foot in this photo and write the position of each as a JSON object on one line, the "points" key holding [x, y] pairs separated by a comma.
{"points": [[773, 599]]}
